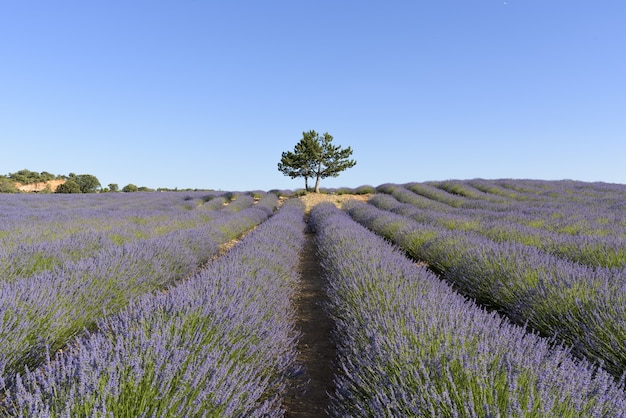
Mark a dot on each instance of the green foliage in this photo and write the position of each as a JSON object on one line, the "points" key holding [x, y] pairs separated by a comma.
{"points": [[87, 182], [130, 188], [28, 177], [25, 176], [70, 186], [7, 186], [315, 157], [45, 176], [300, 162]]}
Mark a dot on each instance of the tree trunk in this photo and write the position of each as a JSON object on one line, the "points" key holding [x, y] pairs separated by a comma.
{"points": [[306, 184], [317, 178]]}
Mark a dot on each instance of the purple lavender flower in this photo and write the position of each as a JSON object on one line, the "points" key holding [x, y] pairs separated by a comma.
{"points": [[409, 345], [219, 344]]}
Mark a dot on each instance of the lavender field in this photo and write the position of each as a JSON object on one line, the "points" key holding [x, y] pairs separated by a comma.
{"points": [[465, 298]]}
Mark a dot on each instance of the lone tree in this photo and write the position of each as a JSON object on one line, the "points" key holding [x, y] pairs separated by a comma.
{"points": [[315, 156]]}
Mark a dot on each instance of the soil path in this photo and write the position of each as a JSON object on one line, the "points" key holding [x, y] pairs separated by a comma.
{"points": [[316, 348]]}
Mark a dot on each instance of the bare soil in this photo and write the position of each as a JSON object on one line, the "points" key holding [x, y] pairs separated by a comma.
{"points": [[312, 199], [38, 187], [316, 348]]}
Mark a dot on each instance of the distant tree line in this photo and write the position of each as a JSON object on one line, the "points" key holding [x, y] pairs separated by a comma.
{"points": [[74, 183], [30, 177]]}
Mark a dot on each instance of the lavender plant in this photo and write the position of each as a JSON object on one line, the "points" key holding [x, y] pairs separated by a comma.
{"points": [[51, 307], [408, 345], [585, 307], [55, 235], [519, 224], [219, 344]]}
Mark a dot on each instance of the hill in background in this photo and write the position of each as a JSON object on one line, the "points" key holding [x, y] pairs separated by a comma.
{"points": [[26, 181]]}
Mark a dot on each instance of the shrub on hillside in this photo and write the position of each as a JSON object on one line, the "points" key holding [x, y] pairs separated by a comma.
{"points": [[7, 186], [69, 186]]}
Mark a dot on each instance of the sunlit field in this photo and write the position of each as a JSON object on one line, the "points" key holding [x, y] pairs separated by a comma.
{"points": [[468, 298]]}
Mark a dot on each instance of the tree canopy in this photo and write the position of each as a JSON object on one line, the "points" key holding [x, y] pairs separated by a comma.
{"points": [[129, 188], [70, 186], [28, 177], [88, 183], [315, 157], [7, 186]]}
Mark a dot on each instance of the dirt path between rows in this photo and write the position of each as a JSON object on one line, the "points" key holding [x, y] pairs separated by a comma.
{"points": [[316, 347]]}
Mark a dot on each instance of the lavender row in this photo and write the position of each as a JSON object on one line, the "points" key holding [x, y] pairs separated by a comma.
{"points": [[64, 215], [585, 307], [51, 307], [470, 193], [568, 207], [538, 189], [585, 248], [581, 208], [219, 344], [58, 234], [33, 219], [408, 345], [52, 240], [559, 206]]}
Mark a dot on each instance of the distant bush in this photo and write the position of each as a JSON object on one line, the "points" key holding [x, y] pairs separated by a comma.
{"points": [[87, 182], [70, 186], [29, 177], [130, 188], [7, 186]]}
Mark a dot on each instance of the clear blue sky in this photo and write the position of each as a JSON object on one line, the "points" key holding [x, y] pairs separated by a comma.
{"points": [[208, 94]]}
